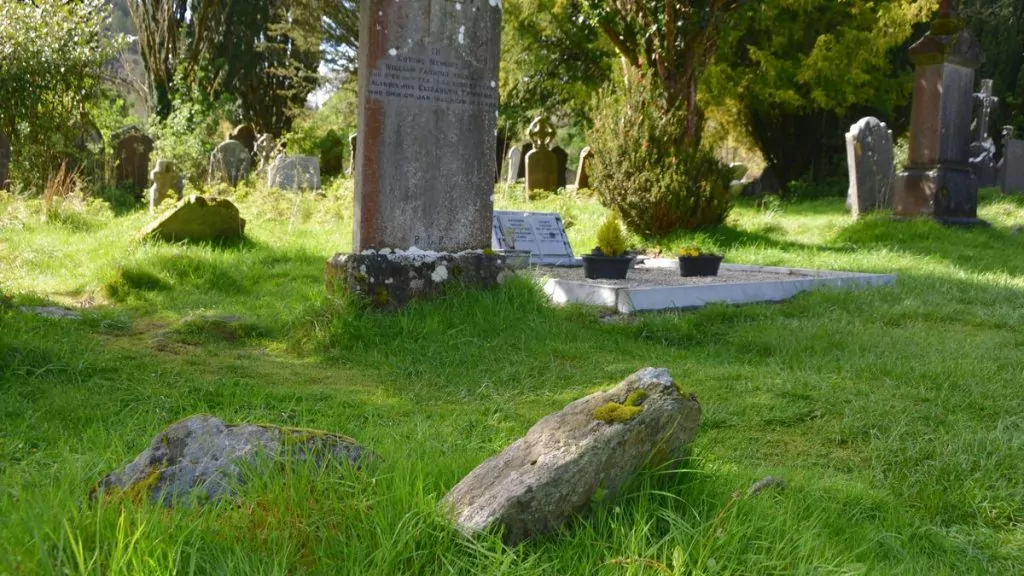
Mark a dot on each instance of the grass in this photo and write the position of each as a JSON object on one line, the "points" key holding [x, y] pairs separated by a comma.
{"points": [[895, 415]]}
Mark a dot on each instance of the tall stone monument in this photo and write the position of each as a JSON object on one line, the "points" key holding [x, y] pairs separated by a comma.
{"points": [[937, 181], [424, 169], [982, 152]]}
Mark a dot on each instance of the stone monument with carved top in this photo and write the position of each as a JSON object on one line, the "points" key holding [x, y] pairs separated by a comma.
{"points": [[428, 97], [937, 181], [541, 162]]}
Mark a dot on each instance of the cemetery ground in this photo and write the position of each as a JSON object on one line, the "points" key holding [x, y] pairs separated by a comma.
{"points": [[893, 415]]}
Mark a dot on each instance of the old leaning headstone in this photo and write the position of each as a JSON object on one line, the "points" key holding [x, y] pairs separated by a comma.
{"points": [[165, 180], [938, 181], [245, 135], [5, 160], [589, 449], [982, 152], [562, 162], [229, 163], [131, 161], [515, 158], [198, 219], [541, 162], [294, 173], [583, 171], [869, 157], [428, 73]]}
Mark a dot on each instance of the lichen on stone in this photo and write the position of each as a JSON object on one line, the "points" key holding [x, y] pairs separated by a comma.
{"points": [[614, 412]]}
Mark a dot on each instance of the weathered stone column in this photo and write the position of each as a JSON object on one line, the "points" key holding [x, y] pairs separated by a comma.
{"points": [[428, 74], [938, 181]]}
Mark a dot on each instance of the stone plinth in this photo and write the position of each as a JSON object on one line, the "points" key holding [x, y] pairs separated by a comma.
{"points": [[938, 181], [390, 279], [424, 167]]}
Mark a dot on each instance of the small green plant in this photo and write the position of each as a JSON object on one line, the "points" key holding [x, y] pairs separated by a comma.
{"points": [[610, 239]]}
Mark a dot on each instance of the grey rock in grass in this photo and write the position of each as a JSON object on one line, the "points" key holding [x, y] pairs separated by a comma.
{"points": [[198, 219], [202, 456], [570, 457], [55, 312]]}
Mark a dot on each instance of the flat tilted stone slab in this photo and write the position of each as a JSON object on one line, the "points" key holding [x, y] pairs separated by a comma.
{"points": [[657, 285]]}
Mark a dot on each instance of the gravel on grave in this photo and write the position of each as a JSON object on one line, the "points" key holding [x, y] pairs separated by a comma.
{"points": [[644, 276]]}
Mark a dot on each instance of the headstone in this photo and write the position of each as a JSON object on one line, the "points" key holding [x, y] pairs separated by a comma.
{"points": [[540, 233], [515, 159], [352, 139], [131, 161], [938, 181], [562, 158], [1007, 135], [165, 180], [541, 162], [294, 173], [229, 163], [500, 149], [527, 147], [982, 152], [266, 150], [198, 219], [428, 100], [869, 157], [5, 160], [245, 135], [89, 146], [1013, 166], [332, 154], [583, 172]]}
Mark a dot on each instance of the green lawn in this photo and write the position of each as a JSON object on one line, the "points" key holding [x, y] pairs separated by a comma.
{"points": [[895, 416]]}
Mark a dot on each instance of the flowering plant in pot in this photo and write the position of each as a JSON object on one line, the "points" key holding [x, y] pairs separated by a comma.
{"points": [[609, 260], [695, 262]]}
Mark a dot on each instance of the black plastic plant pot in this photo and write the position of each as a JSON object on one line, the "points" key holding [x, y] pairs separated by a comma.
{"points": [[606, 267], [703, 265]]}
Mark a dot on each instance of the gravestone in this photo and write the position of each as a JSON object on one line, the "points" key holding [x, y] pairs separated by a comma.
{"points": [[1013, 166], [937, 181], [266, 149], [583, 172], [527, 147], [562, 158], [982, 152], [540, 233], [229, 163], [165, 180], [245, 135], [515, 159], [428, 74], [89, 146], [131, 161], [198, 219], [1007, 135], [5, 160], [869, 157], [541, 162], [294, 173], [500, 149], [332, 154], [352, 139]]}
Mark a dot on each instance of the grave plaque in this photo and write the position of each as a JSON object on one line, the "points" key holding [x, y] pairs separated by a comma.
{"points": [[427, 124], [541, 233]]}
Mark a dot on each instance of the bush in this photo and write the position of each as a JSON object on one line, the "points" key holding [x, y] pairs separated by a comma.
{"points": [[644, 169], [610, 239]]}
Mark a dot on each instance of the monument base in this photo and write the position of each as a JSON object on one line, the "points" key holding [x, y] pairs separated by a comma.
{"points": [[390, 279], [948, 194]]}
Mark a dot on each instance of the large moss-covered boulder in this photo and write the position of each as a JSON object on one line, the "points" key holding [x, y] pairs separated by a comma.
{"points": [[198, 219], [203, 457], [592, 447]]}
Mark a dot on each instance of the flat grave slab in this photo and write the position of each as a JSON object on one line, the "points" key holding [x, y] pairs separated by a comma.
{"points": [[657, 285], [541, 233]]}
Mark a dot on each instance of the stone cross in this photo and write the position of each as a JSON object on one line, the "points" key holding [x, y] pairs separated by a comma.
{"points": [[541, 162], [986, 103], [165, 179], [428, 123]]}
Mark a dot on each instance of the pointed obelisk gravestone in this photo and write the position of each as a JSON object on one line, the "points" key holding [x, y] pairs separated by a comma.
{"points": [[583, 172], [938, 181], [428, 101], [541, 162], [5, 159], [515, 158], [982, 152], [869, 156]]}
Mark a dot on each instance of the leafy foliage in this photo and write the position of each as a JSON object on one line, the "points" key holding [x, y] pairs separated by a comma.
{"points": [[610, 239], [656, 180]]}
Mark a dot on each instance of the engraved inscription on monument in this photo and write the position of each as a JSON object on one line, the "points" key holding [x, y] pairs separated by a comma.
{"points": [[435, 80]]}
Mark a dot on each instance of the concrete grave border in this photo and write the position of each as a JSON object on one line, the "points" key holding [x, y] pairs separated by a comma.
{"points": [[626, 300]]}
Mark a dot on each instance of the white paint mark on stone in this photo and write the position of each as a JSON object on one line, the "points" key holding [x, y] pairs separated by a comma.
{"points": [[393, 52], [440, 274], [458, 6], [493, 84], [462, 34]]}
